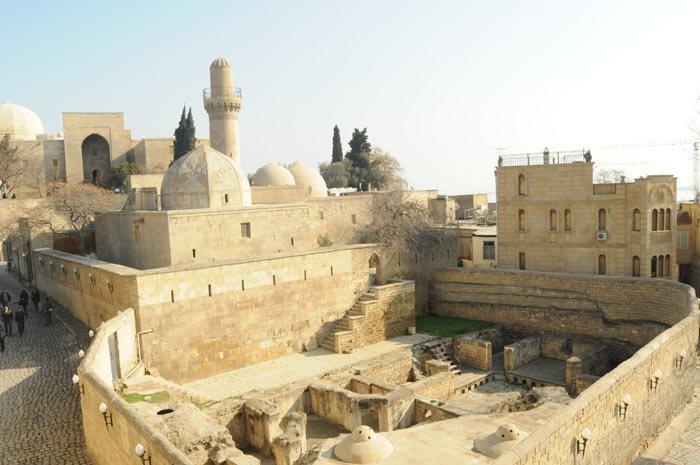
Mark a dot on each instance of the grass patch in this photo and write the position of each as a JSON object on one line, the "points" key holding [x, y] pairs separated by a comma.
{"points": [[155, 398], [448, 325]]}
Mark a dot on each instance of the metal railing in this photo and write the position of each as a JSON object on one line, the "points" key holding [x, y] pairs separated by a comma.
{"points": [[546, 158], [206, 93]]}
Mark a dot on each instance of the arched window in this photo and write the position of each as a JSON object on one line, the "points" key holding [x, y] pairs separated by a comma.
{"points": [[521, 185], [667, 262], [635, 266], [660, 266], [654, 220], [636, 219], [553, 220], [661, 219], [521, 220], [601, 219], [521, 260], [601, 264], [567, 220], [653, 267], [668, 219]]}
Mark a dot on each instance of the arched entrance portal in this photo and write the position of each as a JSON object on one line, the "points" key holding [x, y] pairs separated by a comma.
{"points": [[96, 164], [375, 270]]}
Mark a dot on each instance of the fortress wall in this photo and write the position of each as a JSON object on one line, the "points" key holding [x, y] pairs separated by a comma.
{"points": [[258, 310], [621, 310], [66, 279], [115, 443], [616, 440]]}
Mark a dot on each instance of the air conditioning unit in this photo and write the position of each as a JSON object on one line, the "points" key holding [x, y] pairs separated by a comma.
{"points": [[602, 235]]}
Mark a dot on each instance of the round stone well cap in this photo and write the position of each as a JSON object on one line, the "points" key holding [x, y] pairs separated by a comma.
{"points": [[363, 446]]}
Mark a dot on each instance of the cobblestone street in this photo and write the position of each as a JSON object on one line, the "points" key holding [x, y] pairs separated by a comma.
{"points": [[40, 420]]}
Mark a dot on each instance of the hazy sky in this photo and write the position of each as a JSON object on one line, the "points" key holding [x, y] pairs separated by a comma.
{"points": [[439, 84]]}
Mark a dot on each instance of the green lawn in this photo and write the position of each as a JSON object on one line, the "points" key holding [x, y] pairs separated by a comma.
{"points": [[448, 326], [155, 398]]}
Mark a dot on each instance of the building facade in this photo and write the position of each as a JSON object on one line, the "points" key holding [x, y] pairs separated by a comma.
{"points": [[553, 217]]}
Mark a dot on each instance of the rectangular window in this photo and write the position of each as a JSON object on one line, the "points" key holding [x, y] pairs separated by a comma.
{"points": [[292, 241], [274, 280], [172, 296], [305, 275], [194, 253], [489, 250], [331, 271], [137, 233], [320, 215], [209, 288], [243, 284], [682, 240], [225, 198], [353, 218], [245, 229]]}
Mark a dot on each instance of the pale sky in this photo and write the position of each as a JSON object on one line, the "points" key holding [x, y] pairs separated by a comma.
{"points": [[439, 84]]}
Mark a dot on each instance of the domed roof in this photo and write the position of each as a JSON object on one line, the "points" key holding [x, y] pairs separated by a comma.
{"points": [[363, 446], [310, 178], [204, 178], [18, 122], [221, 62], [273, 174]]}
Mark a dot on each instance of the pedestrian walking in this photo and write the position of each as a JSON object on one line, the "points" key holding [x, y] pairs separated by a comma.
{"points": [[2, 338], [36, 299], [20, 316], [5, 298], [7, 318], [48, 309], [24, 300]]}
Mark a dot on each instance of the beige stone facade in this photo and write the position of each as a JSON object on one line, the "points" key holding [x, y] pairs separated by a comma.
{"points": [[552, 217]]}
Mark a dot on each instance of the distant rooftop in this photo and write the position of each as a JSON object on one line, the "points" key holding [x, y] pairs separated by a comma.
{"points": [[545, 158]]}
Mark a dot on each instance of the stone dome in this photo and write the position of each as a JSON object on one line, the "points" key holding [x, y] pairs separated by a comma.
{"points": [[204, 178], [273, 174], [363, 446], [220, 62], [311, 179], [496, 443], [19, 123]]}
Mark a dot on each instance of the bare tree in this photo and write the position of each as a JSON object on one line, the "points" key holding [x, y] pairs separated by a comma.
{"points": [[401, 225], [607, 176], [77, 204], [19, 168]]}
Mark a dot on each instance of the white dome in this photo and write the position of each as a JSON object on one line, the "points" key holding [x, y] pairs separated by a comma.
{"points": [[311, 179], [204, 178], [273, 174], [19, 123]]}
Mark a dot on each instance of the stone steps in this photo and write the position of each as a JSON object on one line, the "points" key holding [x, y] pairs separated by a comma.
{"points": [[344, 324]]}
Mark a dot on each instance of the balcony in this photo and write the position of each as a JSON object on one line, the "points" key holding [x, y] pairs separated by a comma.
{"points": [[206, 94], [544, 158]]}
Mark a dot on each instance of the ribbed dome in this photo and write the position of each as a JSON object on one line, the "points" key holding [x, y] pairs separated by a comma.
{"points": [[273, 174], [204, 178], [220, 62], [311, 179], [19, 123]]}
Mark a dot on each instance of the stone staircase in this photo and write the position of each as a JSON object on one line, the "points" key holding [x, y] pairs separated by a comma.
{"points": [[342, 336], [439, 351]]}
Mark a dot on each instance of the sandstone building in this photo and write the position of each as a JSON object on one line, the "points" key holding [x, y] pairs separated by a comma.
{"points": [[552, 217]]}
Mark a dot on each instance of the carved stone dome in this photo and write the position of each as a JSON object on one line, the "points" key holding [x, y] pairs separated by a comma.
{"points": [[310, 179], [19, 123], [273, 174], [220, 62], [363, 446], [204, 178]]}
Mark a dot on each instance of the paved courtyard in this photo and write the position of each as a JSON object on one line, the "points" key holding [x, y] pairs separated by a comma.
{"points": [[40, 420]]}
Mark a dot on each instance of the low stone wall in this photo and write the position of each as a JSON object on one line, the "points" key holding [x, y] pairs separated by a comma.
{"points": [[619, 310], [614, 440], [391, 315], [520, 353], [470, 350], [108, 444], [346, 408]]}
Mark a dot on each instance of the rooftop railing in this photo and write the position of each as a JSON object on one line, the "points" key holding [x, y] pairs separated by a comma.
{"points": [[544, 158], [206, 93]]}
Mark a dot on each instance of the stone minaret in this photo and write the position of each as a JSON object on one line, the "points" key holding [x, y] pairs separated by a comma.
{"points": [[223, 103]]}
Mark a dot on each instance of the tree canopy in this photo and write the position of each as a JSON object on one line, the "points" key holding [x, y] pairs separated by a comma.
{"points": [[337, 155], [185, 139]]}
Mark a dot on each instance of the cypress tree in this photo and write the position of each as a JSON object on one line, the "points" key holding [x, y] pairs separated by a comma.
{"points": [[190, 139], [179, 145], [337, 146]]}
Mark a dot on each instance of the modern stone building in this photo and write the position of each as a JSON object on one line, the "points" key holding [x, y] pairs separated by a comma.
{"points": [[553, 217]]}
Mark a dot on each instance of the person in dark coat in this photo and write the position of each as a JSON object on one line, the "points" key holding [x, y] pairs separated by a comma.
{"points": [[20, 316], [7, 318], [48, 309], [36, 299], [24, 301], [2, 338], [5, 298]]}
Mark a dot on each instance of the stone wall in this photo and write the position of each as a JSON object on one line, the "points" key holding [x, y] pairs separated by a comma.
{"points": [[616, 440], [623, 312], [521, 353], [114, 443], [473, 351]]}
